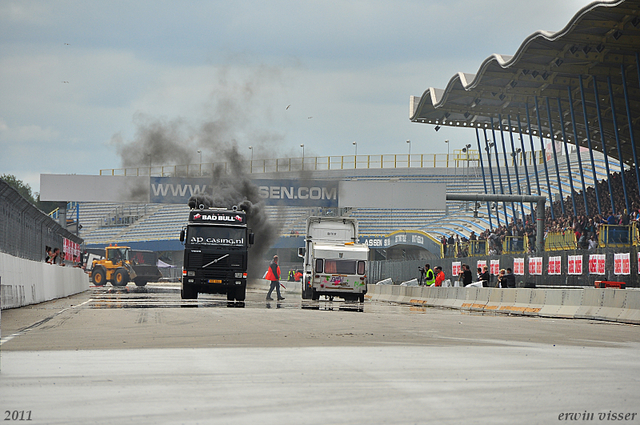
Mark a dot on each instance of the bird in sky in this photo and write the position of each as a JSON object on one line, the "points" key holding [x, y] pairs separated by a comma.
{"points": [[287, 107]]}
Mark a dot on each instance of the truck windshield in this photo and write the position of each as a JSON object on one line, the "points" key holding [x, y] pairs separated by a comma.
{"points": [[213, 235]]}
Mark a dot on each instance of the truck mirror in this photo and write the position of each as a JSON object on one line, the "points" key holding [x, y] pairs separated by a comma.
{"points": [[252, 238], [182, 235], [301, 251]]}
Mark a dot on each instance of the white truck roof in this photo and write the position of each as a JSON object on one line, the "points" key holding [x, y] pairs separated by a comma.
{"points": [[332, 229], [349, 251]]}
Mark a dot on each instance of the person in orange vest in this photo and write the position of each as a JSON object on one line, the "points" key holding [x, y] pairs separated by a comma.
{"points": [[273, 275], [439, 276]]}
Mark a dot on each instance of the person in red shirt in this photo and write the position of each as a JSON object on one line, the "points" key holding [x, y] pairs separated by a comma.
{"points": [[273, 275], [439, 276]]}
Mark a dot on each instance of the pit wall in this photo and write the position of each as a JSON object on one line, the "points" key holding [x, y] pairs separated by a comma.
{"points": [[24, 282], [617, 305]]}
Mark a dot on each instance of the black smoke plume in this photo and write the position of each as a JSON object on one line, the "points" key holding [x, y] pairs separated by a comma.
{"points": [[162, 142]]}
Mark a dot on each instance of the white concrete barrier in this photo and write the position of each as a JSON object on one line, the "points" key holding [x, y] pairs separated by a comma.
{"points": [[24, 282], [622, 305]]}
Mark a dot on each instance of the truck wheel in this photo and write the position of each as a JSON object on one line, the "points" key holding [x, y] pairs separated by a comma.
{"points": [[231, 293], [188, 292], [361, 298], [241, 293], [98, 276], [314, 294], [120, 277], [140, 282]]}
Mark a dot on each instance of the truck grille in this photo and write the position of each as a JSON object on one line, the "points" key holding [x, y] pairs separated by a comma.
{"points": [[232, 261]]}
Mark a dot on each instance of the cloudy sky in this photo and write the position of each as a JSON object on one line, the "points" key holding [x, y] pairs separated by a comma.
{"points": [[82, 81]]}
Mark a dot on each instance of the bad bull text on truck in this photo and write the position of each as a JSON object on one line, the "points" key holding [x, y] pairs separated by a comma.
{"points": [[216, 243]]}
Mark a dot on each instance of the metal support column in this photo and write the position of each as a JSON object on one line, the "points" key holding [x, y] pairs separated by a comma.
{"points": [[604, 143], [524, 156], [630, 119], [506, 164], [617, 134], [493, 186], [484, 178], [495, 145], [588, 133], [566, 153], [578, 153], [544, 157], [515, 166], [555, 156]]}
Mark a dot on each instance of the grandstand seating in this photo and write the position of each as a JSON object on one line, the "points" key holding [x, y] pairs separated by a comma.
{"points": [[163, 222]]}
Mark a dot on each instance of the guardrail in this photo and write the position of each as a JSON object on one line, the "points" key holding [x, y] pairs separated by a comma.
{"points": [[560, 241], [614, 236], [457, 159]]}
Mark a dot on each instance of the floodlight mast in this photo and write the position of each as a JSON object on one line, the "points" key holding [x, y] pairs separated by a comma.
{"points": [[539, 200]]}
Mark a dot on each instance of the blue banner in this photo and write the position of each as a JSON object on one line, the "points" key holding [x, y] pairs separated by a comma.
{"points": [[286, 192]]}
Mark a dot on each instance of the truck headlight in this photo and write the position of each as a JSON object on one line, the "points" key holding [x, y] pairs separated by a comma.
{"points": [[239, 275], [191, 273]]}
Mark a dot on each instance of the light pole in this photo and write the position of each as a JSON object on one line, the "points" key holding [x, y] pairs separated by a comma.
{"points": [[447, 142], [251, 162], [200, 153], [356, 145], [302, 146], [466, 150]]}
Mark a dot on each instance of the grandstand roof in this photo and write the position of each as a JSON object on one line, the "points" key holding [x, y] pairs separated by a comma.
{"points": [[601, 41]]}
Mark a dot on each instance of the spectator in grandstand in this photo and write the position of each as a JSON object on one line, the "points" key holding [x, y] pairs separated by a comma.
{"points": [[443, 241], [439, 276], [593, 244], [510, 278], [624, 218]]}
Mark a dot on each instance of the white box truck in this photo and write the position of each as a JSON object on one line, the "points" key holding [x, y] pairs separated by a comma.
{"points": [[335, 264]]}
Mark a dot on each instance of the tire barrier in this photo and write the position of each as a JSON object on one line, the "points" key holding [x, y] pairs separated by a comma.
{"points": [[607, 304]]}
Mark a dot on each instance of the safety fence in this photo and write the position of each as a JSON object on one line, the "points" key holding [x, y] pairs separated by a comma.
{"points": [[554, 268], [458, 159], [618, 305], [25, 231]]}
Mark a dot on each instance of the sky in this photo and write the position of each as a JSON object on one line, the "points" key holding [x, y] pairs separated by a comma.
{"points": [[83, 84]]}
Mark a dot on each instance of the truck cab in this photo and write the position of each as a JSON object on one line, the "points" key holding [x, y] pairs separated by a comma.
{"points": [[216, 243], [335, 265]]}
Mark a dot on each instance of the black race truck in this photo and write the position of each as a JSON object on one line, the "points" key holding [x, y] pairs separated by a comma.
{"points": [[216, 243]]}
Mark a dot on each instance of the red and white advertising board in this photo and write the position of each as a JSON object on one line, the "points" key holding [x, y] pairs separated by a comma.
{"points": [[597, 263], [575, 264], [455, 268], [518, 266], [535, 265], [555, 266], [495, 267], [622, 263]]}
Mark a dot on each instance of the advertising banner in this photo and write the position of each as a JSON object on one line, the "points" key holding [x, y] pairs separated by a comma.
{"points": [[455, 268], [495, 267], [597, 263], [555, 266], [288, 192], [71, 250], [622, 264], [481, 264], [518, 266], [535, 266], [575, 264]]}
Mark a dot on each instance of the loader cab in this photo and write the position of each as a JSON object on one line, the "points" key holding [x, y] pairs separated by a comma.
{"points": [[116, 254]]}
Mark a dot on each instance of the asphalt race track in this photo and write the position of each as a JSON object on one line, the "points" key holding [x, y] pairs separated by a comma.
{"points": [[146, 356]]}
